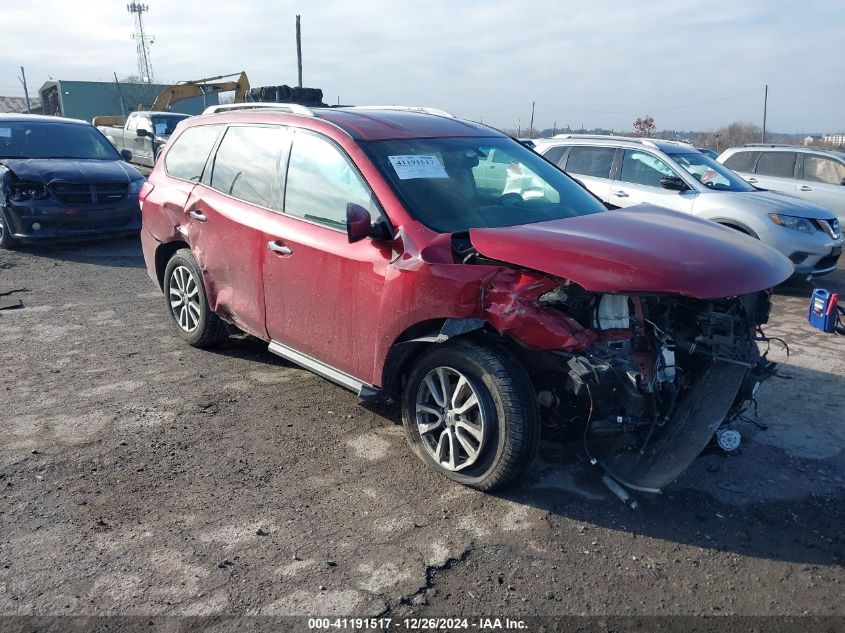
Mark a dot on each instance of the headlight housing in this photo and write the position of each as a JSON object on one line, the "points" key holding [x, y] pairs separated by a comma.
{"points": [[135, 186], [791, 222], [26, 191]]}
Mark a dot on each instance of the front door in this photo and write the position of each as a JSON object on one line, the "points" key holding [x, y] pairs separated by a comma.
{"points": [[776, 171], [639, 183], [323, 294], [592, 167], [823, 182]]}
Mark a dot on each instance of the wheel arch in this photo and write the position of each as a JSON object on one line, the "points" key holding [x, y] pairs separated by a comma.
{"points": [[163, 254], [732, 223], [412, 342]]}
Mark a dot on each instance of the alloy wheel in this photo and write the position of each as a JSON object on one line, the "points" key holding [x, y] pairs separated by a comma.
{"points": [[184, 298], [450, 419]]}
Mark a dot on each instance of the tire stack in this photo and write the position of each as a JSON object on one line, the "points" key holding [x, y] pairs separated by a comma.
{"points": [[287, 94]]}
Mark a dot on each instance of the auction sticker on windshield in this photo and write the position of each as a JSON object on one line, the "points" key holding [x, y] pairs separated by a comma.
{"points": [[5, 132], [413, 166], [161, 129]]}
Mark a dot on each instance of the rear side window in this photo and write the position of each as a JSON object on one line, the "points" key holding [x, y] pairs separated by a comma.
{"points": [[249, 165], [321, 182], [187, 155], [555, 154], [777, 164], [825, 170], [741, 161], [590, 161]]}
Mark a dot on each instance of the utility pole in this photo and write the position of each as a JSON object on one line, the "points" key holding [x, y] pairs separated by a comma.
{"points": [[554, 128], [531, 125], [299, 50], [765, 105], [22, 79], [120, 96]]}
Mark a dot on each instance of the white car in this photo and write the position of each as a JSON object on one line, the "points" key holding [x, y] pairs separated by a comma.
{"points": [[624, 172], [811, 174]]}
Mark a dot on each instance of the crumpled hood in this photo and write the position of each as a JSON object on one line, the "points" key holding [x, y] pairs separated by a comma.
{"points": [[774, 202], [640, 249], [46, 170]]}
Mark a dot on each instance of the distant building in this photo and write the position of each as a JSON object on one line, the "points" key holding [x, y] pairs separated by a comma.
{"points": [[808, 140], [15, 105], [833, 139], [87, 99]]}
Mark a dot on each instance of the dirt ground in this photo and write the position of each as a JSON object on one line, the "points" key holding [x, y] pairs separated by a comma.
{"points": [[139, 476]]}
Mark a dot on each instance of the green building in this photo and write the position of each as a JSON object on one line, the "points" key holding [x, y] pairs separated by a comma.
{"points": [[87, 99]]}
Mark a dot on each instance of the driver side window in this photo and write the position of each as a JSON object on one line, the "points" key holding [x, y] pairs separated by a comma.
{"points": [[321, 181], [641, 168]]}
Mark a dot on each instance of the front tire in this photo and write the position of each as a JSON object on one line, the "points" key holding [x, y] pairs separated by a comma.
{"points": [[7, 241], [470, 413], [184, 294]]}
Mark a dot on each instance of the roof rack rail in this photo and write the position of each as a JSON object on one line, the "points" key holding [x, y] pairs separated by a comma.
{"points": [[608, 137], [425, 109], [771, 145], [293, 108]]}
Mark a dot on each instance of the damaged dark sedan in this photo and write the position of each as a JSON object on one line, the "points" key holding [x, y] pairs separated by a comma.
{"points": [[62, 179], [414, 257]]}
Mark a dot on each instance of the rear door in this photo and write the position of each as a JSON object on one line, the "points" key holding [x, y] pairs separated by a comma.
{"points": [[822, 180], [229, 212], [639, 183], [322, 293], [592, 166], [775, 170]]}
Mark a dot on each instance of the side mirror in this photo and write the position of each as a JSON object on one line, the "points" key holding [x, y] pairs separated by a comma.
{"points": [[359, 225], [142, 132], [126, 154], [358, 222], [843, 182], [673, 183]]}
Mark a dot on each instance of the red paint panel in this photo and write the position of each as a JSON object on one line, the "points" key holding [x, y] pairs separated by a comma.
{"points": [[511, 306], [640, 250]]}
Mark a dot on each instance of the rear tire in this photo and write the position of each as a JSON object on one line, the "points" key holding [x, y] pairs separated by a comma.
{"points": [[184, 294], [7, 241], [485, 431]]}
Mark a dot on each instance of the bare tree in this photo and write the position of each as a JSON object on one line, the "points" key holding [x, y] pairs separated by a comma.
{"points": [[644, 126], [729, 136]]}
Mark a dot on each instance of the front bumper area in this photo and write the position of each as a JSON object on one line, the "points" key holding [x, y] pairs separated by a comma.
{"points": [[47, 220]]}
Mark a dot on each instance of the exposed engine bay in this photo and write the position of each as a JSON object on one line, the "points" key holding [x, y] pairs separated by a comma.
{"points": [[659, 377]]}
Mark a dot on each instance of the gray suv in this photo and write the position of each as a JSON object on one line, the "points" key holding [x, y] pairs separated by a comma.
{"points": [[624, 172], [811, 174]]}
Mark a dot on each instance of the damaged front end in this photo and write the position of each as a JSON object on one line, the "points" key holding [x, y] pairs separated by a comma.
{"points": [[663, 375], [645, 380]]}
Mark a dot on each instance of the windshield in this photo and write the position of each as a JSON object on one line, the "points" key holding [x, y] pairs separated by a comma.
{"points": [[455, 184], [40, 139], [710, 173], [165, 125]]}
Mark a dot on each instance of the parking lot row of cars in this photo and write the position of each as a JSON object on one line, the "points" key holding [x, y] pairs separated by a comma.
{"points": [[418, 258]]}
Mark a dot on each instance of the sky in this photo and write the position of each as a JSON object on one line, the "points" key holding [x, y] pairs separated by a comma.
{"points": [[691, 65]]}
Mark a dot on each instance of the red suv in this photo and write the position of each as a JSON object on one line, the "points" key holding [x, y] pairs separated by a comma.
{"points": [[412, 256]]}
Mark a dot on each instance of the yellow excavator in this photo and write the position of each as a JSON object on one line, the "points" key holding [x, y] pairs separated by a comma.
{"points": [[199, 87]]}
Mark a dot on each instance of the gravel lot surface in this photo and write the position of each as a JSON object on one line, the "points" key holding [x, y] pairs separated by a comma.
{"points": [[139, 476]]}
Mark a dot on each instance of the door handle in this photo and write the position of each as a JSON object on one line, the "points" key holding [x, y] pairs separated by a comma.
{"points": [[199, 216], [281, 249], [752, 180], [620, 194], [805, 188]]}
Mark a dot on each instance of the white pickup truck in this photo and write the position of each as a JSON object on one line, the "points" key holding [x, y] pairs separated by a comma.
{"points": [[143, 133]]}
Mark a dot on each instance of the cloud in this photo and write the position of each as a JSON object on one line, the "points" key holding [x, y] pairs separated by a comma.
{"points": [[599, 63]]}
